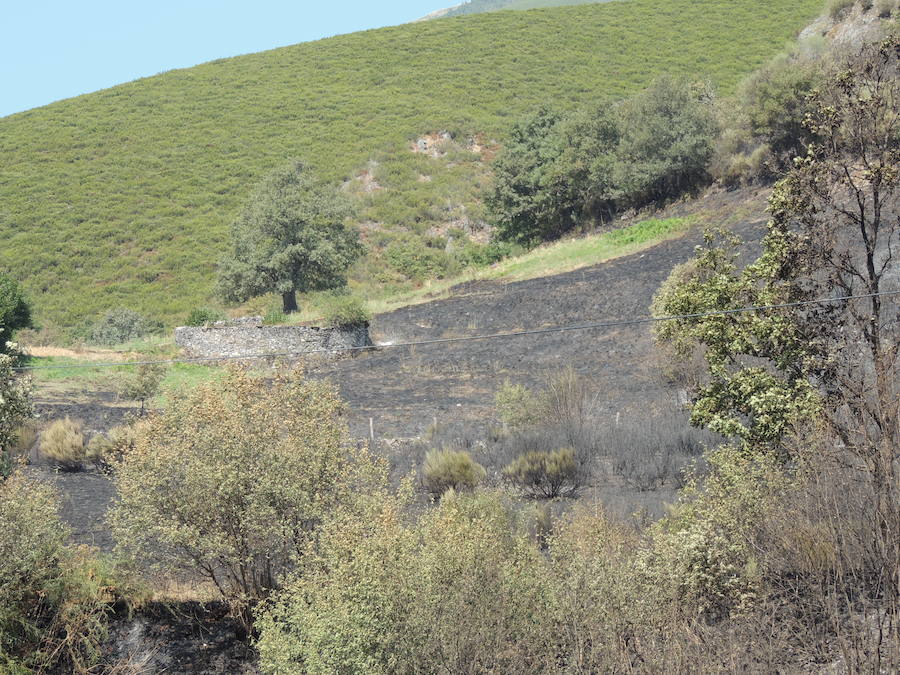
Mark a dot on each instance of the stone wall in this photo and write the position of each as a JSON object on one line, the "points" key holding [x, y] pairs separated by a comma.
{"points": [[249, 338]]}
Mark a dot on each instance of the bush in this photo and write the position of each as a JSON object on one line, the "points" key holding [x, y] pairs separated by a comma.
{"points": [[201, 316], [462, 590], [838, 9], [121, 325], [143, 383], [546, 474], [417, 261], [516, 406], [15, 312], [52, 601], [106, 450], [274, 316], [16, 409], [450, 469], [62, 442], [346, 310], [231, 481]]}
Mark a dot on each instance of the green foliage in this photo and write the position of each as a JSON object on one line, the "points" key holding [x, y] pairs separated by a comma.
{"points": [[142, 383], [53, 601], [200, 316], [232, 480], [291, 237], [516, 405], [118, 326], [450, 470], [667, 141], [62, 442], [16, 409], [346, 310], [106, 450], [531, 199], [774, 102], [558, 172], [142, 180], [15, 312], [546, 474], [417, 260], [460, 590]]}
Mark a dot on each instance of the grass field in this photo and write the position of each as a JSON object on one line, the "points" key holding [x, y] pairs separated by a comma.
{"points": [[123, 197]]}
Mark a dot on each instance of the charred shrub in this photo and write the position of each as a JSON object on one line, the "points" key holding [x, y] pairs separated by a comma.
{"points": [[546, 474]]}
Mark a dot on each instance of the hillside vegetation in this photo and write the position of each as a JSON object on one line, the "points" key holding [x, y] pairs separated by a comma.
{"points": [[124, 197], [480, 6]]}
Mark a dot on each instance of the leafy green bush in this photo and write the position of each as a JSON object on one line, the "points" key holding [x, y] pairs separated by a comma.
{"points": [[15, 312], [106, 450], [346, 310], [142, 383], [418, 261], [516, 406], [16, 409], [121, 325], [274, 316], [546, 474], [231, 480], [450, 469], [461, 590], [558, 172], [62, 442], [53, 602], [200, 316]]}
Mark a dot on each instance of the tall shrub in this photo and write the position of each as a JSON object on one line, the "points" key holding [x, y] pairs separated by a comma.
{"points": [[232, 480]]}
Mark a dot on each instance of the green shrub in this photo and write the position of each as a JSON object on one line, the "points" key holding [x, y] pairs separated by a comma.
{"points": [[16, 409], [546, 474], [231, 480], [121, 325], [62, 442], [837, 9], [201, 316], [142, 383], [516, 406], [15, 312], [52, 601], [417, 261], [461, 590], [106, 450], [346, 310], [450, 469], [275, 316]]}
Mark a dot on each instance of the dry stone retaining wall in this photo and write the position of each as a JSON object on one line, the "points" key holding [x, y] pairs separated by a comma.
{"points": [[250, 338]]}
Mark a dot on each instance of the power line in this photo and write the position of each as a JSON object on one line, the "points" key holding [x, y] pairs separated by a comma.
{"points": [[469, 338]]}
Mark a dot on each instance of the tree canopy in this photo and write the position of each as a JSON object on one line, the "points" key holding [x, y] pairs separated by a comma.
{"points": [[292, 236]]}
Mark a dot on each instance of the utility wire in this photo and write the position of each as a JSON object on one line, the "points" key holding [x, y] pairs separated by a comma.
{"points": [[468, 338]]}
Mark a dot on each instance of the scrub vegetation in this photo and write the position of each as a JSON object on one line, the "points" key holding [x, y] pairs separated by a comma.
{"points": [[124, 197]]}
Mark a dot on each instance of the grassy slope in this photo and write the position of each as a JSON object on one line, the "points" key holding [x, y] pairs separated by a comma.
{"points": [[123, 197], [480, 6]]}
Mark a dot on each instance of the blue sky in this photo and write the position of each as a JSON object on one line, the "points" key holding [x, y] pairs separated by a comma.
{"points": [[55, 49]]}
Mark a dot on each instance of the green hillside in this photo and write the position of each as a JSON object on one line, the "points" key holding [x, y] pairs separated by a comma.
{"points": [[123, 197], [481, 6]]}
